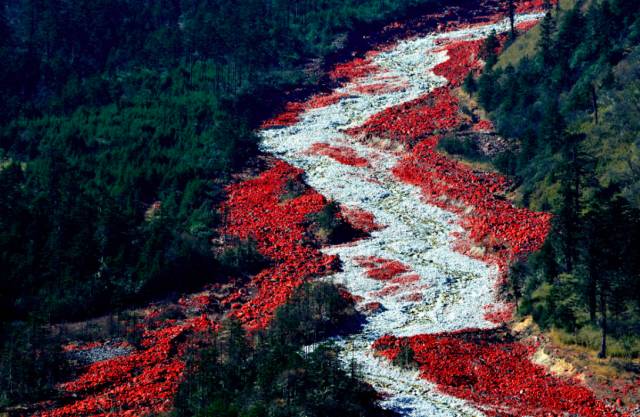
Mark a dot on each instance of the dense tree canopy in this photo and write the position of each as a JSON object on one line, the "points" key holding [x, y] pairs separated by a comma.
{"points": [[120, 123], [572, 108]]}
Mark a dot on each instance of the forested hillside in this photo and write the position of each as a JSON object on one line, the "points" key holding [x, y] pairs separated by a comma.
{"points": [[254, 208], [120, 123], [110, 107], [573, 108]]}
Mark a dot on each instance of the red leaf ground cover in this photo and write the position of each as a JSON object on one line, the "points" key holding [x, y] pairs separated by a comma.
{"points": [[483, 126], [145, 381], [141, 383], [495, 374], [359, 219], [380, 88], [382, 269], [499, 314], [342, 154], [291, 114], [491, 221], [463, 57], [531, 6], [356, 68], [289, 117], [414, 120], [255, 210]]}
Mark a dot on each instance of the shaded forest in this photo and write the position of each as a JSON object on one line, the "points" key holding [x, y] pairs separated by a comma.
{"points": [[120, 123]]}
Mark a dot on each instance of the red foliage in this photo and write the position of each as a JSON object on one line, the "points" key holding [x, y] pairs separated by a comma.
{"points": [[289, 117], [323, 100], [414, 120], [406, 279], [352, 299], [373, 307], [140, 383], [495, 374], [380, 88], [415, 297], [360, 219], [483, 126], [382, 269], [254, 209], [507, 231], [75, 347], [499, 314], [387, 291], [342, 154], [488, 372], [197, 302], [530, 6], [293, 110], [356, 68], [463, 57]]}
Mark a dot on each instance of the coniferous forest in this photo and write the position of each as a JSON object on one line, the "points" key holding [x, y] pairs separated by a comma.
{"points": [[109, 107], [571, 105], [314, 208]]}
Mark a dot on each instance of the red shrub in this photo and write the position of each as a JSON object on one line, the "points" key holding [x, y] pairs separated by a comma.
{"points": [[254, 209], [414, 120], [140, 383], [507, 231], [323, 100], [499, 314], [463, 57], [483, 126], [382, 269], [289, 117], [530, 6], [357, 68], [342, 154], [380, 88], [495, 374], [360, 219], [293, 110]]}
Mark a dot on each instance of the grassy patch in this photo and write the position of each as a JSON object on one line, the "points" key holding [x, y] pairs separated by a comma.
{"points": [[527, 44], [589, 337]]}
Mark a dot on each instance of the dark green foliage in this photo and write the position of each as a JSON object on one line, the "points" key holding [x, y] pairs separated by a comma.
{"points": [[570, 106], [273, 375], [31, 363], [461, 146], [120, 123], [470, 85], [83, 234], [313, 314], [242, 258], [329, 227], [489, 50]]}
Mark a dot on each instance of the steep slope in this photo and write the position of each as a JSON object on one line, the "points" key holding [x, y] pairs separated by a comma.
{"points": [[446, 238], [440, 238]]}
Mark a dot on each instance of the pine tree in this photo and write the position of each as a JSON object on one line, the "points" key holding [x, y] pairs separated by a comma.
{"points": [[489, 50], [511, 8], [547, 27]]}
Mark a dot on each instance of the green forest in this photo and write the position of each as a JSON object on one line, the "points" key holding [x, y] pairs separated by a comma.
{"points": [[120, 123], [275, 375], [572, 105]]}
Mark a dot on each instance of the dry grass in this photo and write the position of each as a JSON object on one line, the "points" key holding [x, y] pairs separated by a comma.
{"points": [[526, 44]]}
